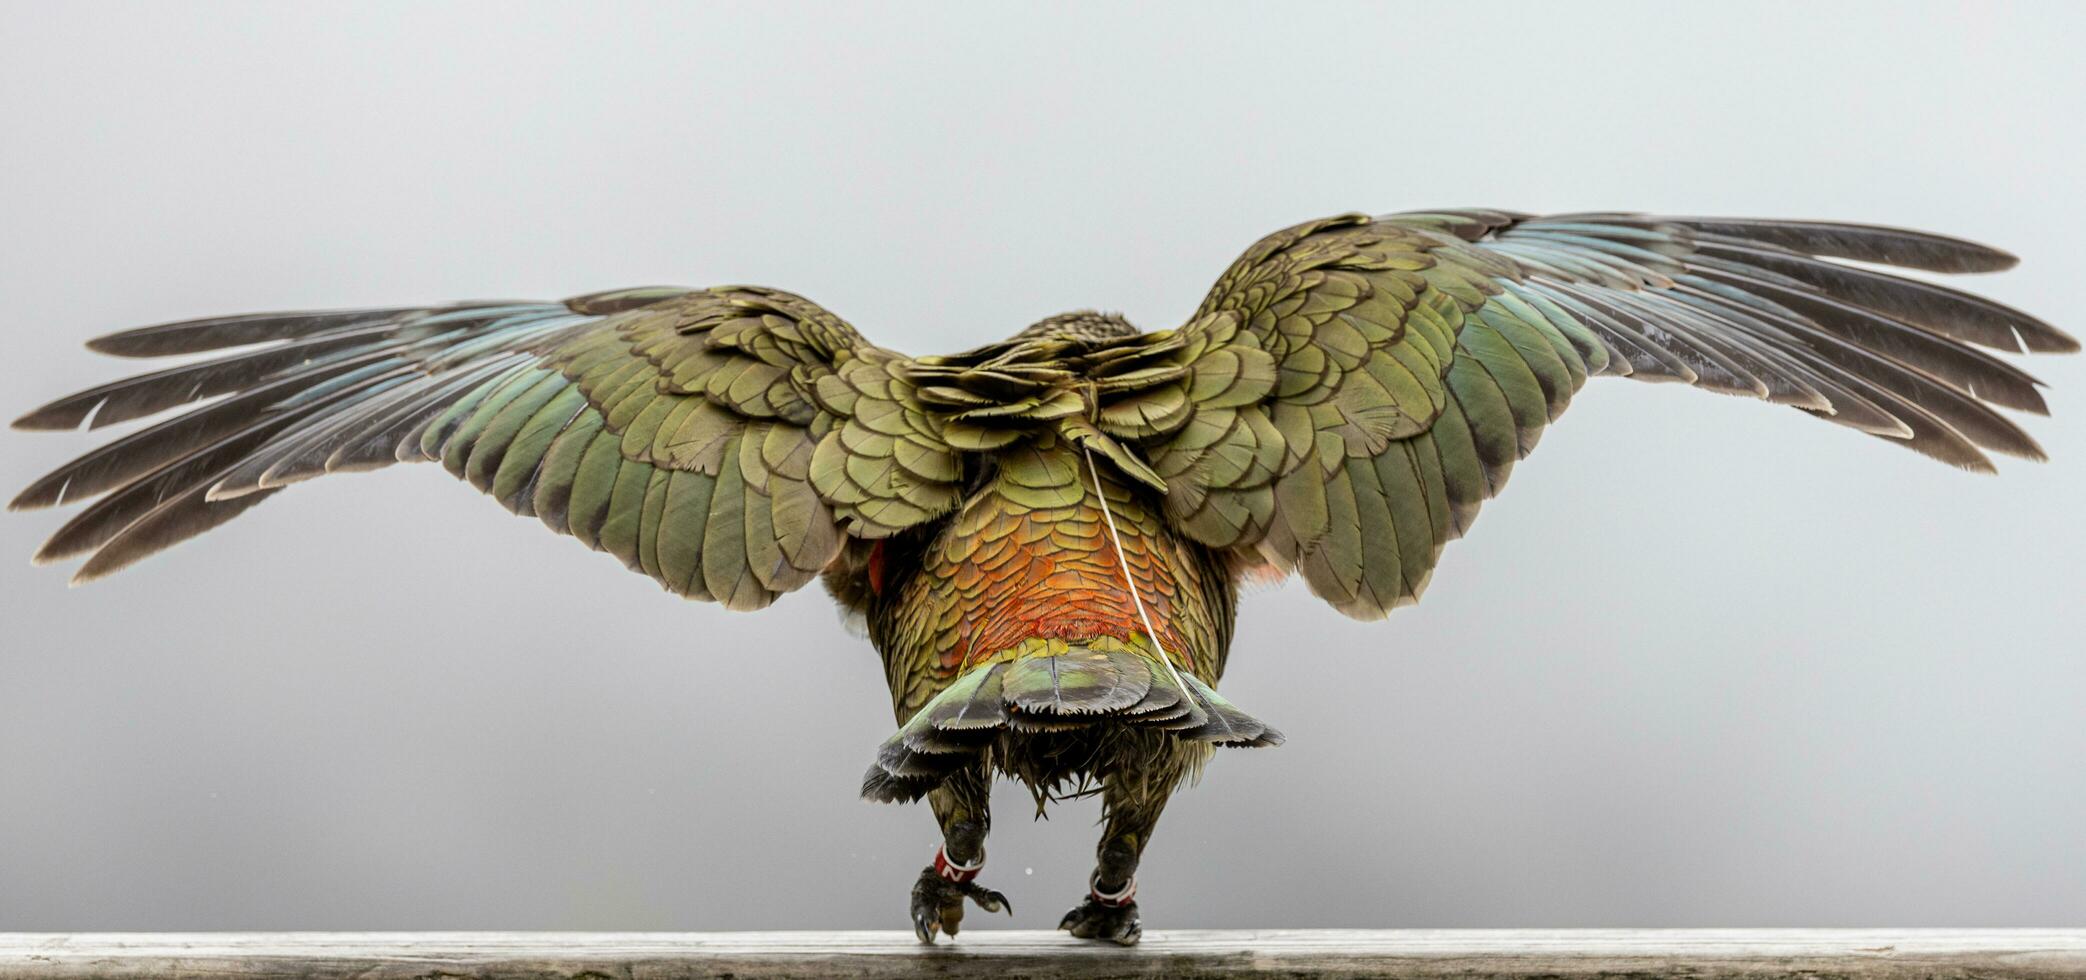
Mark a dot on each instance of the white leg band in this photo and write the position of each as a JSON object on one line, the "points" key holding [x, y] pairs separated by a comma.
{"points": [[1120, 896]]}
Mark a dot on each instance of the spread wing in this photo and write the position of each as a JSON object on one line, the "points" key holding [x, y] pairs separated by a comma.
{"points": [[726, 442], [1412, 359]]}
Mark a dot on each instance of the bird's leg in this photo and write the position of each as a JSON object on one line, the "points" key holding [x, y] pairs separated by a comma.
{"points": [[963, 807], [1110, 909]]}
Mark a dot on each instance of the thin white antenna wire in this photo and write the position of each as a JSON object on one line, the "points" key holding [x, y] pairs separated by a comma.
{"points": [[1123, 562]]}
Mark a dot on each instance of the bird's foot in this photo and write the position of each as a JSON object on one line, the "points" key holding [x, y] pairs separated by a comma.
{"points": [[1106, 915], [938, 897]]}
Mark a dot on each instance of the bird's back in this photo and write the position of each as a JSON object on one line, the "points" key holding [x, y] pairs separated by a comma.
{"points": [[1029, 567]]}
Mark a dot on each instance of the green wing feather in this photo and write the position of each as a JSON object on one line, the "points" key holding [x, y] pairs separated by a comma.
{"points": [[1417, 357], [682, 431], [1346, 397]]}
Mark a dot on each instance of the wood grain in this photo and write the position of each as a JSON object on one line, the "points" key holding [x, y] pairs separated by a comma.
{"points": [[1014, 955]]}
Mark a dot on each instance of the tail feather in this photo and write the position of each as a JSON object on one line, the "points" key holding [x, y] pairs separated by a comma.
{"points": [[1078, 689], [973, 705], [1082, 683], [1224, 723]]}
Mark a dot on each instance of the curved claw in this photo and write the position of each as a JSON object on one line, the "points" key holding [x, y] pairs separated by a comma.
{"points": [[987, 899], [937, 904], [927, 906], [1090, 919]]}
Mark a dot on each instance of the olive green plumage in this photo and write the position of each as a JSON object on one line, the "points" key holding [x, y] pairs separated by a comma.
{"points": [[1044, 692], [1008, 519]]}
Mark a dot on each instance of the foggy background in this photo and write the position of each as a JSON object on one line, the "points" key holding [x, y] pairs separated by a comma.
{"points": [[1706, 662]]}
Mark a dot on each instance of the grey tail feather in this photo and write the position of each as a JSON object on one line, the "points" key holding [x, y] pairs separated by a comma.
{"points": [[1079, 689]]}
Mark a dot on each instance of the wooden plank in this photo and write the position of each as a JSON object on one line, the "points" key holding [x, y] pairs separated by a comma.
{"points": [[1016, 955]]}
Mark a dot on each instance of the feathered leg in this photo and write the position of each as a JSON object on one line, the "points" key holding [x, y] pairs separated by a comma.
{"points": [[962, 805], [1132, 808]]}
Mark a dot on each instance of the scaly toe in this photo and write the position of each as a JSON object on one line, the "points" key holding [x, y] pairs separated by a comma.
{"points": [[1129, 932], [987, 899], [936, 906], [1093, 920]]}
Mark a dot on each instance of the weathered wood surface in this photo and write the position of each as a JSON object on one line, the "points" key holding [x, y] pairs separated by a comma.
{"points": [[1009, 955]]}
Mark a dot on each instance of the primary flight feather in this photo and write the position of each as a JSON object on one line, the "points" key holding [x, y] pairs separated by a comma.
{"points": [[1045, 535]]}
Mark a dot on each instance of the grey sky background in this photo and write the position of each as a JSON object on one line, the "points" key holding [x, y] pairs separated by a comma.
{"points": [[1706, 662]]}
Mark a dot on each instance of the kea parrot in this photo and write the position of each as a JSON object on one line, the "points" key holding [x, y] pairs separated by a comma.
{"points": [[1045, 537]]}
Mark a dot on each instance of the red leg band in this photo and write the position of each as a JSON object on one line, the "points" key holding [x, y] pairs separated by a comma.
{"points": [[958, 873]]}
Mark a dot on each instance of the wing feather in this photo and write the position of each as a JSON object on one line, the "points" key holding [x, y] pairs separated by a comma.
{"points": [[1419, 356], [675, 429]]}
